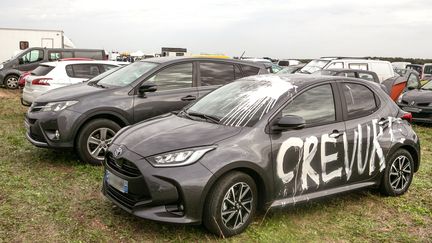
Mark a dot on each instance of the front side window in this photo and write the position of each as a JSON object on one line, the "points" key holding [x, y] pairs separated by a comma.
{"points": [[173, 77], [127, 75], [315, 105], [32, 56], [249, 70], [216, 73], [366, 76], [359, 99]]}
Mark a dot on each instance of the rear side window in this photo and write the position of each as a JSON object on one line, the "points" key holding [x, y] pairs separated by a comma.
{"points": [[82, 70], [347, 74], [108, 67], [249, 70], [366, 76], [335, 65], [361, 66], [316, 105], [359, 99], [216, 73], [42, 70], [66, 54], [97, 55], [52, 56]]}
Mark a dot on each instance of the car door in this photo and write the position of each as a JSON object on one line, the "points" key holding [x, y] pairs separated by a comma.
{"points": [[175, 88], [212, 75], [310, 159], [30, 60], [360, 106]]}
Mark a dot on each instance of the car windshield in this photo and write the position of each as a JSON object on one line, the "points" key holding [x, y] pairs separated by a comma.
{"points": [[427, 86], [244, 102], [127, 74], [314, 66]]}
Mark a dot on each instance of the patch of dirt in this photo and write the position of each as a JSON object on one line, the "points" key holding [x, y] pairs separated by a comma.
{"points": [[6, 93]]}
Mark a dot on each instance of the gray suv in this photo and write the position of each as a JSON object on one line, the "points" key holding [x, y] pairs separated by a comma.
{"points": [[86, 116]]}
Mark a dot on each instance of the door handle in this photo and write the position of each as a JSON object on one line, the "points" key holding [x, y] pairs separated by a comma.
{"points": [[383, 121], [188, 98], [335, 134]]}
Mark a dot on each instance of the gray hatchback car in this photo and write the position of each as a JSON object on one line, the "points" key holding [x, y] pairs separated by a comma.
{"points": [[86, 116]]}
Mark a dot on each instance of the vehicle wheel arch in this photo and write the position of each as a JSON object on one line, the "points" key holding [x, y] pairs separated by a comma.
{"points": [[249, 168], [415, 153], [114, 116]]}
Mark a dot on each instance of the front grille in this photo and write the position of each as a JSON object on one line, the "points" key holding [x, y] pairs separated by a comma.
{"points": [[123, 166], [124, 199]]}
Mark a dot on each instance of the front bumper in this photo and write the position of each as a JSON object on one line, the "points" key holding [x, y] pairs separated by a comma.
{"points": [[172, 195], [42, 128]]}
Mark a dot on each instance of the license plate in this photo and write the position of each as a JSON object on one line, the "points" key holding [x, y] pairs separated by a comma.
{"points": [[116, 182], [411, 109]]}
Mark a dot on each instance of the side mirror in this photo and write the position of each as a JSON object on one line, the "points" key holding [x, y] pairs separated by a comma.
{"points": [[289, 122], [146, 88], [20, 60]]}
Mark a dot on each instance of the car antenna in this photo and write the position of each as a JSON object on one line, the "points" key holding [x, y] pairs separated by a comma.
{"points": [[242, 55]]}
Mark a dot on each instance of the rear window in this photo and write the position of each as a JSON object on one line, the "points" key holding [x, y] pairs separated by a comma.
{"points": [[42, 70]]}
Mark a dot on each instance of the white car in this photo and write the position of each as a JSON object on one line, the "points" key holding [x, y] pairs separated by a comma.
{"points": [[52, 75]]}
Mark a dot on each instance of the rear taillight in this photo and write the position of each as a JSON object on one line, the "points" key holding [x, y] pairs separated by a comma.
{"points": [[407, 117], [41, 81]]}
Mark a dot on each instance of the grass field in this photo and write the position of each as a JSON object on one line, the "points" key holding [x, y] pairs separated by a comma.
{"points": [[49, 196]]}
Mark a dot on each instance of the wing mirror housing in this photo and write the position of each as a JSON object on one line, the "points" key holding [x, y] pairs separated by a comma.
{"points": [[289, 122], [146, 88]]}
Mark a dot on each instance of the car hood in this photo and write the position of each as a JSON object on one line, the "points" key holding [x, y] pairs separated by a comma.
{"points": [[170, 132], [419, 96], [71, 92]]}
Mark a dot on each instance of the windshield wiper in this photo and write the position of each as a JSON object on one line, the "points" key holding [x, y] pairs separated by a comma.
{"points": [[209, 118]]}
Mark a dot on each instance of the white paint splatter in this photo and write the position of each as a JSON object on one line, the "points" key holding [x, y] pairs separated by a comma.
{"points": [[310, 149], [326, 177]]}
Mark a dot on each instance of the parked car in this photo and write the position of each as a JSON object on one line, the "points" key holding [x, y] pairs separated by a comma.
{"points": [[287, 62], [291, 69], [30, 58], [383, 69], [261, 142], [418, 102], [87, 115], [53, 75], [427, 71], [400, 84], [351, 73], [416, 67]]}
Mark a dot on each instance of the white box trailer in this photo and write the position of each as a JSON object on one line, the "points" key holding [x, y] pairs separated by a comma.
{"points": [[13, 41]]}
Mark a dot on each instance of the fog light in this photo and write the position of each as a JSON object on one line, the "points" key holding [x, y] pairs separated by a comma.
{"points": [[57, 134]]}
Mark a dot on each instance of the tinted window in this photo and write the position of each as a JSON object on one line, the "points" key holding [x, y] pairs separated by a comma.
{"points": [[42, 70], [82, 70], [66, 54], [89, 54], [360, 100], [315, 105], [249, 70], [216, 73], [32, 56], [173, 77]]}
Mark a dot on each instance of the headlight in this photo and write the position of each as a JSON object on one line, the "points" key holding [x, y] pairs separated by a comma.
{"points": [[1, 66], [399, 100], [58, 106], [179, 158]]}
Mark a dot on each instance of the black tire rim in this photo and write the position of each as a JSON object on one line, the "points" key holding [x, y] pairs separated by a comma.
{"points": [[400, 173], [98, 142], [12, 82], [237, 206]]}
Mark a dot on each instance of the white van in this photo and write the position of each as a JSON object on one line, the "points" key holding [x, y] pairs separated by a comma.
{"points": [[383, 69]]}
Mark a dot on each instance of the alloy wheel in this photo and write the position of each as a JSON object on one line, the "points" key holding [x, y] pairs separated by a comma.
{"points": [[98, 142], [400, 173], [12, 82], [237, 205]]}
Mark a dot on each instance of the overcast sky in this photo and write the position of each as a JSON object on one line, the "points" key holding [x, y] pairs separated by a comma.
{"points": [[275, 28]]}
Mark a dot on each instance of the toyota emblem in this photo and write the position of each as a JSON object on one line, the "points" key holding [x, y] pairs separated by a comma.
{"points": [[118, 151]]}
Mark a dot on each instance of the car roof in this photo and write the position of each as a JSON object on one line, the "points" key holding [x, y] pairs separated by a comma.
{"points": [[346, 70], [64, 63], [299, 80], [192, 58]]}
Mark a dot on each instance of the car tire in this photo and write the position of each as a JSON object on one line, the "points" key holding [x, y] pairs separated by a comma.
{"points": [[95, 137], [11, 81], [398, 174], [226, 212]]}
